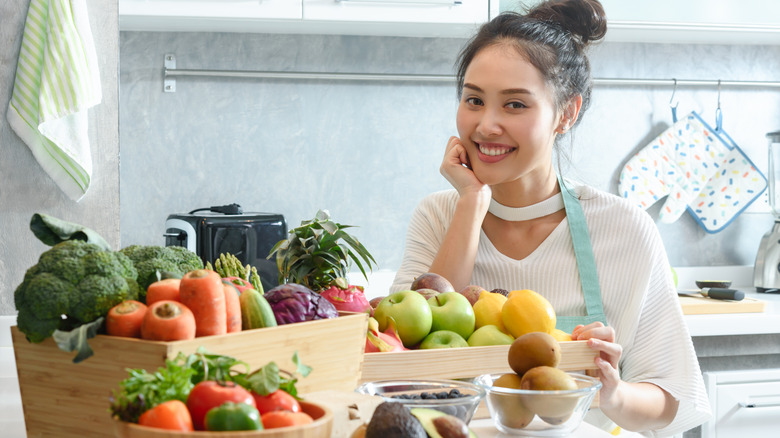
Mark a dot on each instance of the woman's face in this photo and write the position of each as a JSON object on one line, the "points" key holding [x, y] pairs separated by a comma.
{"points": [[506, 117]]}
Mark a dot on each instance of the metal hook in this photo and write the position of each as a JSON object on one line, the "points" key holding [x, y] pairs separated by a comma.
{"points": [[671, 99], [718, 93], [718, 113]]}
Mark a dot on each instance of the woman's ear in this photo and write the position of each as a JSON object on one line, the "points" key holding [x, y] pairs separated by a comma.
{"points": [[570, 114]]}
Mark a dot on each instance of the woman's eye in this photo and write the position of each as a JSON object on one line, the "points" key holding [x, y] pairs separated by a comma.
{"points": [[516, 105], [473, 101]]}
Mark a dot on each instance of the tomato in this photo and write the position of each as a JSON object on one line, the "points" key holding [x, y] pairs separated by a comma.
{"points": [[209, 394], [170, 415], [278, 400], [276, 419]]}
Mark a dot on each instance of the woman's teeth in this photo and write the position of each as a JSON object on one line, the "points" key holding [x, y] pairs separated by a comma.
{"points": [[493, 151]]}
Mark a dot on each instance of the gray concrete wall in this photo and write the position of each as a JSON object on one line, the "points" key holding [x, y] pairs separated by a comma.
{"points": [[369, 151], [24, 187]]}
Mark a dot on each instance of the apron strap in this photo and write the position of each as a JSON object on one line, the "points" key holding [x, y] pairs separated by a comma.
{"points": [[586, 263]]}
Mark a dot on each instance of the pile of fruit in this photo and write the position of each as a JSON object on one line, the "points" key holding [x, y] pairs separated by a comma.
{"points": [[210, 392], [433, 315], [534, 358]]}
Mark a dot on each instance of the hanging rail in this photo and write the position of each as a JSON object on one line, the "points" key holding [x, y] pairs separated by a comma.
{"points": [[170, 72]]}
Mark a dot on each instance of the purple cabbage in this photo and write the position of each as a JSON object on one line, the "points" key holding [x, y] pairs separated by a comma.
{"points": [[297, 303]]}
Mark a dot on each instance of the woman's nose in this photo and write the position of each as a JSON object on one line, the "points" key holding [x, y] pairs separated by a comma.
{"points": [[489, 123]]}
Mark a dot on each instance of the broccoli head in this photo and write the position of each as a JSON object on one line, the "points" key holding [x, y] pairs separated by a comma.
{"points": [[171, 260], [73, 282]]}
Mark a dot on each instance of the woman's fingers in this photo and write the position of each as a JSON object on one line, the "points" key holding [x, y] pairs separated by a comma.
{"points": [[608, 351]]}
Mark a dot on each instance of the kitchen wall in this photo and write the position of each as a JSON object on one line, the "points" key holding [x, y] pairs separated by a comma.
{"points": [[369, 152], [24, 187]]}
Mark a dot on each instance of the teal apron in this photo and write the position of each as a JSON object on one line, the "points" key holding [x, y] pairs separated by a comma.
{"points": [[586, 264]]}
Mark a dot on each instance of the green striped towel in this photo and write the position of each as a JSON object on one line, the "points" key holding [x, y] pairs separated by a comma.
{"points": [[57, 80]]}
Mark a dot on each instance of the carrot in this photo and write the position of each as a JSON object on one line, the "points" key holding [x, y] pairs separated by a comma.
{"points": [[201, 290], [170, 415], [167, 289], [168, 321], [232, 307], [125, 319]]}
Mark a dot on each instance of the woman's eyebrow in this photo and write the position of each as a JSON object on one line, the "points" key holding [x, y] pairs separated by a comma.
{"points": [[507, 91], [516, 91]]}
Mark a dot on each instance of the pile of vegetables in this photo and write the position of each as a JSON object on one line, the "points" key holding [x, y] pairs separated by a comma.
{"points": [[211, 392], [166, 294]]}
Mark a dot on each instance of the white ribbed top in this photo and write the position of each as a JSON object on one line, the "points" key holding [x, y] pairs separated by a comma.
{"points": [[640, 300]]}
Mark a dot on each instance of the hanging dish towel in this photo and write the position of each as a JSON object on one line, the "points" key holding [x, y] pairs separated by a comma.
{"points": [[57, 80], [698, 169]]}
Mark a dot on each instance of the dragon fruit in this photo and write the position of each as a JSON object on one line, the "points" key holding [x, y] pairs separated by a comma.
{"points": [[388, 340], [346, 297]]}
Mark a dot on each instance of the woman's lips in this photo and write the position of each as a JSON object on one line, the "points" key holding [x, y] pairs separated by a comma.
{"points": [[492, 152]]}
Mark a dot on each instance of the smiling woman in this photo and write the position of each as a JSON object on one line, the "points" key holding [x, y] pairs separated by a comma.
{"points": [[512, 222]]}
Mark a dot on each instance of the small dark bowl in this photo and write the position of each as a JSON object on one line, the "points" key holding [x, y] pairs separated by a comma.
{"points": [[713, 283]]}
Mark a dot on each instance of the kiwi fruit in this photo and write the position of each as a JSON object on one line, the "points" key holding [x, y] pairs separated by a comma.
{"points": [[552, 408], [532, 350]]}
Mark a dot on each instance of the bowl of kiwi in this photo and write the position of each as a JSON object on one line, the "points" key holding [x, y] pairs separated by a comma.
{"points": [[453, 397], [538, 410]]}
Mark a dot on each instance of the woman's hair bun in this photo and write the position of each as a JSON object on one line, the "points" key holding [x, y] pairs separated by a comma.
{"points": [[583, 18]]}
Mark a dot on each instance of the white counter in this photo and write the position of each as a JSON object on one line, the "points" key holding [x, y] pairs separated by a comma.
{"points": [[727, 324]]}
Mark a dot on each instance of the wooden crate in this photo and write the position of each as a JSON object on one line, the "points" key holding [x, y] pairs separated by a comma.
{"points": [[64, 399], [457, 363]]}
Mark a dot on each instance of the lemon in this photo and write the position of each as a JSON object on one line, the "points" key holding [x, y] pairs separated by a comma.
{"points": [[526, 311], [560, 335], [487, 310]]}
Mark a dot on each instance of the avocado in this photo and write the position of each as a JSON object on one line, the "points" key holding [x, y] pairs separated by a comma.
{"points": [[393, 420], [440, 425]]}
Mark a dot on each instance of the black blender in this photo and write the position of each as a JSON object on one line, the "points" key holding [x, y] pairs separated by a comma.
{"points": [[766, 271]]}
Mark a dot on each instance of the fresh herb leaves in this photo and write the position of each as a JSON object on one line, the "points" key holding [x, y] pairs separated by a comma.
{"points": [[143, 390]]}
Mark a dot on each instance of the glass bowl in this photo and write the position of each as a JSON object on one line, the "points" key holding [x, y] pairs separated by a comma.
{"points": [[411, 393], [538, 413]]}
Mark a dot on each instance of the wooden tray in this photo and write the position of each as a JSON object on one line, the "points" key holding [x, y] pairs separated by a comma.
{"points": [[64, 399], [457, 363], [699, 305], [320, 428]]}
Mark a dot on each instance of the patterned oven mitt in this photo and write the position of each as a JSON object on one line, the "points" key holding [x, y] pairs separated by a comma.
{"points": [[696, 168]]}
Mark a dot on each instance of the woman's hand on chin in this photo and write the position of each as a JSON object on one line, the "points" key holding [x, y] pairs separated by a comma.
{"points": [[456, 168]]}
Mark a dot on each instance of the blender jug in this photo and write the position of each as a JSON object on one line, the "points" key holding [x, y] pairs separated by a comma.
{"points": [[766, 271]]}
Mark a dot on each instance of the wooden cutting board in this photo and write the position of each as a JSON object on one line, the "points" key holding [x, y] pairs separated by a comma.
{"points": [[699, 305]]}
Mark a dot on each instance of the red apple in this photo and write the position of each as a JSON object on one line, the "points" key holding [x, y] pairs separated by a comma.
{"points": [[471, 292]]}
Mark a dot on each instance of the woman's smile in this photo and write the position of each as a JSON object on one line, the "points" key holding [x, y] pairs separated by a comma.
{"points": [[493, 152]]}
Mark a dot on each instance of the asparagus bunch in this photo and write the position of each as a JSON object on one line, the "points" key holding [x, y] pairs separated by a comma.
{"points": [[228, 265]]}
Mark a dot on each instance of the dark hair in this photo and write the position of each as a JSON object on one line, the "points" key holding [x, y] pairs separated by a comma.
{"points": [[553, 37]]}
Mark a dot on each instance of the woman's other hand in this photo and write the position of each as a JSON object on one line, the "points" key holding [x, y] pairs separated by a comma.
{"points": [[456, 168], [602, 339]]}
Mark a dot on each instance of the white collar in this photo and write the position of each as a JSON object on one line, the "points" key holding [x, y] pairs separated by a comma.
{"points": [[540, 209]]}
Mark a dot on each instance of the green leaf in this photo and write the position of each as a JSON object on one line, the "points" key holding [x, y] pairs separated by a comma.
{"points": [[76, 339], [301, 369], [265, 380]]}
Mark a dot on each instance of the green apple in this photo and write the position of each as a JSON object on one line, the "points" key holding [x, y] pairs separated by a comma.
{"points": [[489, 335], [452, 311], [443, 339], [411, 312]]}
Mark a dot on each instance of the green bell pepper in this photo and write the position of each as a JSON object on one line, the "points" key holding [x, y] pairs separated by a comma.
{"points": [[233, 416]]}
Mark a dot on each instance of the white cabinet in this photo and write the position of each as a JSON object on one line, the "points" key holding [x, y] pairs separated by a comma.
{"points": [[431, 18], [744, 404], [689, 21], [204, 15], [399, 11]]}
